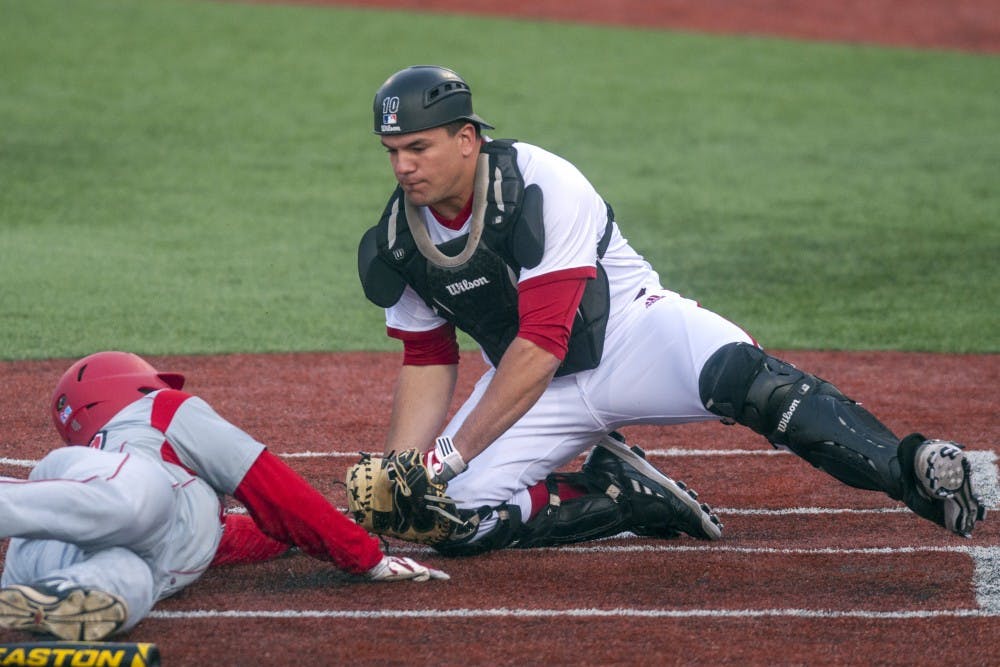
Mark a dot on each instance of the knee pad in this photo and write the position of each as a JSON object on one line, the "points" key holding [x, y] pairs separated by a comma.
{"points": [[802, 412], [743, 384]]}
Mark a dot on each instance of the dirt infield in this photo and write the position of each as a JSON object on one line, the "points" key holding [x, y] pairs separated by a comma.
{"points": [[319, 401], [966, 25], [814, 572], [808, 571]]}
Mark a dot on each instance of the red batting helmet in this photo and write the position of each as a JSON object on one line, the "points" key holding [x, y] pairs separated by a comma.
{"points": [[97, 387]]}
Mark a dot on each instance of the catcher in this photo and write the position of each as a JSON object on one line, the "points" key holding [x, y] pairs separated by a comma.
{"points": [[513, 245]]}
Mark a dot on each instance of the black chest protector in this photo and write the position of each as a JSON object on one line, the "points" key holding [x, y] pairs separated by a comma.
{"points": [[474, 285]]}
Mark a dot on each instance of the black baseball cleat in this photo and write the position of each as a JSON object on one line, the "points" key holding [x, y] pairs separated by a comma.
{"points": [[937, 483], [73, 614], [661, 507]]}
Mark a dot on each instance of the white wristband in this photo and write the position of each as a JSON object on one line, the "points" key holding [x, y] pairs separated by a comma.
{"points": [[450, 461]]}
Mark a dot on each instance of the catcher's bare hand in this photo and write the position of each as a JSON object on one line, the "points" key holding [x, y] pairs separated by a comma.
{"points": [[399, 568]]}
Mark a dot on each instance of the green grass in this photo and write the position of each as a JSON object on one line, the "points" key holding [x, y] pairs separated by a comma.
{"points": [[192, 177]]}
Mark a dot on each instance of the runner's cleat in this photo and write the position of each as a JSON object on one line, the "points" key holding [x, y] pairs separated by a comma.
{"points": [[74, 614]]}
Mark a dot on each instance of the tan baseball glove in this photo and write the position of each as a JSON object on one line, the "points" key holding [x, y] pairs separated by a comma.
{"points": [[397, 497]]}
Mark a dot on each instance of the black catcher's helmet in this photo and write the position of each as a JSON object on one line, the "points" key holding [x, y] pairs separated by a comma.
{"points": [[421, 97]]}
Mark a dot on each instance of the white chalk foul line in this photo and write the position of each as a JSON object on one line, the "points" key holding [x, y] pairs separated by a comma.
{"points": [[17, 463], [987, 577], [986, 582], [712, 547], [744, 511], [670, 452], [571, 613], [601, 546], [750, 511]]}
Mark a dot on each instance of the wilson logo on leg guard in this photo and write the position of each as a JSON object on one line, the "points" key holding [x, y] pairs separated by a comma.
{"points": [[786, 416]]}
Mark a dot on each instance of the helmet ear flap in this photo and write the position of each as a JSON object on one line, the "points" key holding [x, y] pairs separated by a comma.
{"points": [[173, 380]]}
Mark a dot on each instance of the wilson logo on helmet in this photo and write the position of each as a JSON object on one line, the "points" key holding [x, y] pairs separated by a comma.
{"points": [[390, 107]]}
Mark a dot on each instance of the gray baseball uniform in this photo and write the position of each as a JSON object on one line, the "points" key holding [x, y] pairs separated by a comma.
{"points": [[138, 513]]}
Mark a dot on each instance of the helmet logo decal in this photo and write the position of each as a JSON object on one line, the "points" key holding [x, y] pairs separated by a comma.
{"points": [[390, 107], [65, 411]]}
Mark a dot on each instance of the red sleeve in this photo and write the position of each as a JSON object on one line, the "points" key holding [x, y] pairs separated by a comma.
{"points": [[428, 348], [288, 510], [243, 542], [547, 305]]}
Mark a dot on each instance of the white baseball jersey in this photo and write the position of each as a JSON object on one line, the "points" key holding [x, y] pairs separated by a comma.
{"points": [[575, 217], [655, 346]]}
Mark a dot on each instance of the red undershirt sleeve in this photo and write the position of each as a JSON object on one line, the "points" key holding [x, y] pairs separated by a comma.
{"points": [[287, 509], [428, 348], [547, 305], [243, 542]]}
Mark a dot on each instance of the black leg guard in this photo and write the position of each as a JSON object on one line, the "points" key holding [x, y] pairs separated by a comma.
{"points": [[503, 533], [805, 413], [588, 517]]}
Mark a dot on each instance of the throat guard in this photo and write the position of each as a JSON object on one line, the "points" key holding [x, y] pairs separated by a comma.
{"points": [[471, 280]]}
